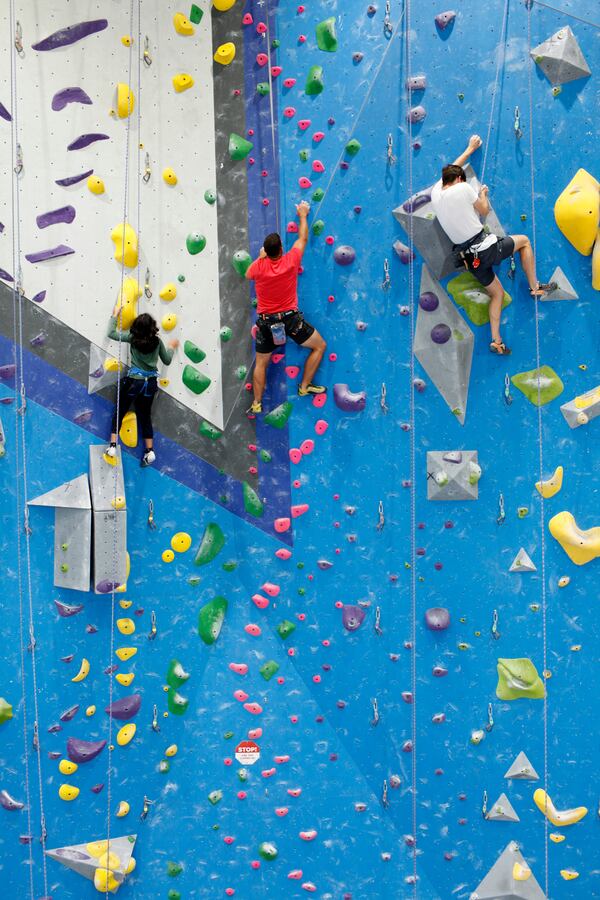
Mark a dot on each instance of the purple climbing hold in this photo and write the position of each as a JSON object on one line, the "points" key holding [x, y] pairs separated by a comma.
{"points": [[110, 670], [4, 113], [84, 140], [69, 713], [6, 276], [9, 802], [54, 754], [7, 371], [125, 708], [352, 617], [357, 57], [91, 629], [52, 253], [428, 301], [106, 587], [439, 671], [416, 114], [416, 83], [347, 400], [371, 9], [63, 214], [344, 255], [71, 34], [69, 95], [324, 564], [83, 417], [54, 729], [80, 751], [437, 618], [74, 179], [96, 788], [416, 201], [441, 334], [443, 19], [404, 253], [39, 340], [39, 297]]}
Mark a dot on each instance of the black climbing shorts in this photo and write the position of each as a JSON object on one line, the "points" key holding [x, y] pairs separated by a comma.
{"points": [[296, 327], [492, 256]]}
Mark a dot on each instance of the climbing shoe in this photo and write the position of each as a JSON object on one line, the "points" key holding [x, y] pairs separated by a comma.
{"points": [[499, 348], [255, 409], [542, 289], [111, 450], [311, 389], [148, 458]]}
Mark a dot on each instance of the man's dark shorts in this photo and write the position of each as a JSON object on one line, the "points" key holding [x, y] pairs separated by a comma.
{"points": [[493, 256], [295, 327]]}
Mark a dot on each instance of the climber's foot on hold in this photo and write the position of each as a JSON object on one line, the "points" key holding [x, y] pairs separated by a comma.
{"points": [[311, 389], [148, 458], [111, 450], [499, 348], [542, 289], [254, 410]]}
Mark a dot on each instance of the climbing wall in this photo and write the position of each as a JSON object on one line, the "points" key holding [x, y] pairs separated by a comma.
{"points": [[351, 648]]}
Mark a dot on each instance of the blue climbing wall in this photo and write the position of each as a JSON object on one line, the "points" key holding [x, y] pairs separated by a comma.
{"points": [[372, 769]]}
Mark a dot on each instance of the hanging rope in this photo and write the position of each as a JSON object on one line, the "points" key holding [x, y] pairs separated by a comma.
{"points": [[21, 457], [540, 442], [500, 58], [564, 12], [272, 108]]}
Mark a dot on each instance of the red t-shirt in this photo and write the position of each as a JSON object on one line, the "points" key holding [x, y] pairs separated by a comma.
{"points": [[276, 282]]}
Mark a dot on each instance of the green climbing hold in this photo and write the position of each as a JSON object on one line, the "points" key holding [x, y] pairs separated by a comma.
{"points": [[268, 669], [540, 386], [267, 850], [318, 227], [64, 547], [181, 278], [265, 456], [518, 679], [467, 293], [196, 14], [285, 628], [213, 541], [229, 566], [252, 502], [239, 147], [210, 196], [241, 372], [314, 81], [241, 262], [278, 417], [262, 88], [226, 333], [5, 711], [326, 35], [318, 195], [194, 580], [211, 618], [275, 44], [174, 869], [193, 352], [164, 766], [304, 155], [215, 797], [352, 147], [195, 380], [64, 567], [173, 895], [195, 242], [177, 704], [301, 591], [228, 735], [209, 431], [176, 674], [243, 774]]}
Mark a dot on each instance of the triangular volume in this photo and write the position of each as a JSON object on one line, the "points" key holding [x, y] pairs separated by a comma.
{"points": [[560, 58], [502, 811], [564, 290], [84, 858], [500, 882], [522, 769], [73, 494], [522, 562]]}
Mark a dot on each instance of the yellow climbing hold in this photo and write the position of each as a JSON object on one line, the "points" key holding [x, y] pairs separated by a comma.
{"points": [[579, 545], [125, 678], [125, 100], [556, 838], [563, 581], [169, 176], [569, 874], [596, 264], [109, 460], [577, 211], [123, 809], [182, 82], [126, 244], [105, 881], [521, 872], [181, 542], [168, 556], [66, 767], [125, 604], [125, 734], [223, 5], [126, 626], [169, 322], [127, 40], [90, 711], [118, 502], [168, 292], [171, 750], [557, 817], [84, 670], [123, 587], [97, 848], [95, 185], [128, 432], [552, 486], [68, 792], [125, 653], [164, 382], [109, 860], [112, 365], [182, 25], [130, 866], [225, 54], [125, 310]]}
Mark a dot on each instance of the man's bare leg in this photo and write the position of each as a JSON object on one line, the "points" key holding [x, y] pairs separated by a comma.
{"points": [[525, 250], [496, 293], [317, 347], [259, 378]]}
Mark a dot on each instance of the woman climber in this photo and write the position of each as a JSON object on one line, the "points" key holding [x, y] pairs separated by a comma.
{"points": [[140, 385]]}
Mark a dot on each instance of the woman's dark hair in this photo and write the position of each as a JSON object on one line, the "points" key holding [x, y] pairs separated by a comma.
{"points": [[451, 173], [144, 333]]}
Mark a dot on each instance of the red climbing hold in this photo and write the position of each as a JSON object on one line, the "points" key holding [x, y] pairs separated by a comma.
{"points": [[262, 59], [303, 124], [280, 526], [292, 228], [299, 510], [295, 455], [273, 590], [260, 602], [321, 426]]}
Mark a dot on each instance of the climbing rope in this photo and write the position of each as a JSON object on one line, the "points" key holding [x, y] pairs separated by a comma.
{"points": [[500, 58], [564, 12], [21, 457], [272, 109], [530, 66], [413, 499]]}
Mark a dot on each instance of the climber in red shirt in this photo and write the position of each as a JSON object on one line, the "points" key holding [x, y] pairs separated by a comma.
{"points": [[276, 276]]}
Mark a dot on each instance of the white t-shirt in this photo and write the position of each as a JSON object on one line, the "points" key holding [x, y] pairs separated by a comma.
{"points": [[454, 209]]}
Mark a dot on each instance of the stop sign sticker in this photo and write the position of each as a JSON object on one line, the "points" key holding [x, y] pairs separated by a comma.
{"points": [[247, 753]]}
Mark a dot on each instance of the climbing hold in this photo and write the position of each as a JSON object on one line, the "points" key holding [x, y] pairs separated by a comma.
{"points": [[126, 306], [569, 874], [347, 400], [183, 25], [211, 618], [352, 147], [444, 19], [522, 769], [268, 851], [521, 872], [129, 436], [580, 546], [582, 409], [126, 626], [213, 541], [95, 185], [344, 255], [122, 809], [416, 83], [502, 811], [196, 381], [195, 242], [193, 352], [68, 792], [225, 333], [352, 617], [416, 114], [181, 542], [84, 671], [209, 431], [125, 653], [552, 485], [326, 35], [168, 556], [223, 5], [126, 245], [168, 322], [518, 679], [126, 734], [314, 81], [66, 767], [80, 751], [437, 618], [196, 14], [285, 628], [279, 416], [176, 674], [125, 101], [522, 562], [168, 292], [71, 34], [6, 712], [239, 147], [540, 386], [169, 176], [225, 54], [268, 669], [127, 40], [182, 82], [252, 502], [557, 817], [124, 708], [560, 58], [467, 293], [177, 704], [577, 211]]}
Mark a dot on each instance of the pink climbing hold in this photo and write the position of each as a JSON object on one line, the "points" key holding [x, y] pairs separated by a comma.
{"points": [[292, 371], [299, 510], [254, 630], [240, 696], [247, 20], [307, 446], [260, 602], [321, 426], [296, 483], [318, 166], [319, 400], [276, 71], [316, 679], [318, 136], [276, 358], [254, 734], [300, 10], [330, 240], [289, 112], [280, 760], [292, 228], [266, 201], [309, 887], [301, 38], [252, 447], [333, 357], [268, 773], [295, 874], [283, 553], [229, 891], [255, 864], [241, 795], [331, 299], [254, 708], [273, 590], [303, 124], [282, 811], [262, 59], [261, 28], [281, 525], [229, 839], [304, 182], [295, 455], [443, 19], [252, 470], [239, 668], [289, 82], [294, 792]]}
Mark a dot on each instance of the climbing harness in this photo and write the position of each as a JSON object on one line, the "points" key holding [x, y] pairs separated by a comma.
{"points": [[151, 522], [517, 124], [507, 394], [381, 521], [501, 512], [375, 719], [377, 626], [391, 159], [494, 629], [153, 629], [383, 399], [387, 283]]}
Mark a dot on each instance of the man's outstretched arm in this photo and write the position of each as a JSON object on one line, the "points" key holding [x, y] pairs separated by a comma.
{"points": [[303, 210], [474, 144]]}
